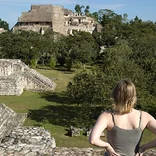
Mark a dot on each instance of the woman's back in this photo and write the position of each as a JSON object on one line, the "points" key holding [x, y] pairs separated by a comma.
{"points": [[125, 125], [124, 132], [126, 121]]}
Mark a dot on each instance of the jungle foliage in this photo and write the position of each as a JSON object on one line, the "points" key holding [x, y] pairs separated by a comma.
{"points": [[123, 49]]}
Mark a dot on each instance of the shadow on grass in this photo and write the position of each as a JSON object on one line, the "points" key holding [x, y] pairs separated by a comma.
{"points": [[56, 115], [64, 69], [59, 98], [64, 115], [68, 132]]}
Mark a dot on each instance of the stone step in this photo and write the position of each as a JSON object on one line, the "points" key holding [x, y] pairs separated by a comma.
{"points": [[38, 78]]}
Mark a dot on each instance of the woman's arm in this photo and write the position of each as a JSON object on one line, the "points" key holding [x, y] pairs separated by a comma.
{"points": [[98, 128], [151, 125]]}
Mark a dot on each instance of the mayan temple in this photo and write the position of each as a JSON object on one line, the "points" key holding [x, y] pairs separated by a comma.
{"points": [[56, 18]]}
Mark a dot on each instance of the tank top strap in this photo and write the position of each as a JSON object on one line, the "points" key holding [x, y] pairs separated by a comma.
{"points": [[140, 118], [113, 118]]}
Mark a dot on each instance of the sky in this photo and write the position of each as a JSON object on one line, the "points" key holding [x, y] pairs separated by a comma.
{"points": [[11, 10]]}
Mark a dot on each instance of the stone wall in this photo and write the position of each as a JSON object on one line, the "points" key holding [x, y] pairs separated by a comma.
{"points": [[11, 85], [16, 139], [58, 20], [35, 27], [9, 120], [29, 141], [22, 150], [15, 76]]}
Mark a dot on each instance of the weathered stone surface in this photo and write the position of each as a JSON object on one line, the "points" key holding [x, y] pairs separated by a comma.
{"points": [[62, 151], [9, 120], [15, 76], [16, 139], [75, 131]]}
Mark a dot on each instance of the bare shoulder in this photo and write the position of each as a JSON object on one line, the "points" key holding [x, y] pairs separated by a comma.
{"points": [[149, 121], [101, 122], [105, 115], [146, 115]]}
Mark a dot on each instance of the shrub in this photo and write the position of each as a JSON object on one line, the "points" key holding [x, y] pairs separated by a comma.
{"points": [[52, 63], [33, 63]]}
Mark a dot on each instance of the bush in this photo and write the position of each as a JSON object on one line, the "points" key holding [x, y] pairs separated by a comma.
{"points": [[33, 63], [69, 64], [90, 87], [52, 63]]}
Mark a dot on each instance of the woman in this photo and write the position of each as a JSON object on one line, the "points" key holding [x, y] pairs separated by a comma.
{"points": [[124, 124]]}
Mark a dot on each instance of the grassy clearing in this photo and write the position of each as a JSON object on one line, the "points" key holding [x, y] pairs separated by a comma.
{"points": [[62, 77], [52, 111], [49, 110]]}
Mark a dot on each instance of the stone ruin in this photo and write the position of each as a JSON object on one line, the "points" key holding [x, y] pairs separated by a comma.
{"points": [[15, 76], [19, 140], [56, 18]]}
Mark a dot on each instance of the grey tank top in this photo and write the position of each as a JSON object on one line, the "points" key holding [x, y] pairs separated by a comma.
{"points": [[125, 142]]}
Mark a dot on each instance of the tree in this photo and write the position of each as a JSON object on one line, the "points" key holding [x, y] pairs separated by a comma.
{"points": [[125, 18], [137, 28], [95, 86], [87, 10], [112, 26], [121, 61], [79, 8], [100, 14], [69, 63], [52, 63], [95, 16], [109, 35], [4, 24], [63, 50], [33, 63], [90, 87], [15, 46], [5, 44], [82, 47], [144, 55]]}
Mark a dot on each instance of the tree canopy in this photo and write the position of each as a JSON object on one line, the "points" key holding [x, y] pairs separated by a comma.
{"points": [[4, 24], [123, 49]]}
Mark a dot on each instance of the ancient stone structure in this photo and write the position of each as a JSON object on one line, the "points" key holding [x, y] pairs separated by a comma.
{"points": [[19, 140], [15, 76], [58, 151], [75, 131], [56, 18]]}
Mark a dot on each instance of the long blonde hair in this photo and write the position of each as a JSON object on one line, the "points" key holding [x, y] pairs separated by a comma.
{"points": [[124, 95]]}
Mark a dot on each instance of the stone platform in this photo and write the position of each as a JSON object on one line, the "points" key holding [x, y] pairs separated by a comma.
{"points": [[15, 76]]}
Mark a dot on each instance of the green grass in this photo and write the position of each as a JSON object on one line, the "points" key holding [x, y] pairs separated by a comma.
{"points": [[46, 109], [147, 136], [62, 77], [22, 104], [52, 110]]}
